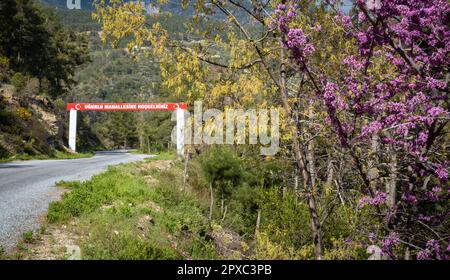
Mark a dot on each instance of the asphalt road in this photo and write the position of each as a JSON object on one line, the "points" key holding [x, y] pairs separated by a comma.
{"points": [[27, 187]]}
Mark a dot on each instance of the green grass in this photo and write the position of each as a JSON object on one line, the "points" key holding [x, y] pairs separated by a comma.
{"points": [[122, 216], [163, 156], [28, 237], [57, 155]]}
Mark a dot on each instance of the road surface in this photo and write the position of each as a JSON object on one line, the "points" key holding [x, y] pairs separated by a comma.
{"points": [[27, 187]]}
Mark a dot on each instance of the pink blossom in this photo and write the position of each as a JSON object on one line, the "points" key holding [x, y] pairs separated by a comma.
{"points": [[372, 128], [362, 17], [409, 198], [291, 14], [436, 111], [441, 172]]}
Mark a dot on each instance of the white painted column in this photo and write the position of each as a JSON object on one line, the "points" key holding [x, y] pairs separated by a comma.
{"points": [[73, 4], [73, 130], [180, 131]]}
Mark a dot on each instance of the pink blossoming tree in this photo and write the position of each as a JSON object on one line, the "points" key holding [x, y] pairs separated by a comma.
{"points": [[405, 112]]}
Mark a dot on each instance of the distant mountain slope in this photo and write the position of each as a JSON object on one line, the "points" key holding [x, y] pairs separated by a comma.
{"points": [[62, 4], [173, 7]]}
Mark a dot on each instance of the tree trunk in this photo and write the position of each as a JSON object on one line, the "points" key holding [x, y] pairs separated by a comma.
{"points": [[407, 254], [141, 131], [186, 160], [372, 173], [311, 144], [300, 161], [330, 172], [258, 221], [391, 185], [211, 203], [221, 201], [296, 188], [224, 213]]}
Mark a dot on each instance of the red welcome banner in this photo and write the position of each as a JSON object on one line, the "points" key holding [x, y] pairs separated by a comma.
{"points": [[125, 106]]}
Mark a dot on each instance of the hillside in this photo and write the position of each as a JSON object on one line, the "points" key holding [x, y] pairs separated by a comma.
{"points": [[35, 125], [38, 59]]}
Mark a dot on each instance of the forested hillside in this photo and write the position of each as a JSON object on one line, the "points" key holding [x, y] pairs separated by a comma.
{"points": [[57, 56], [38, 60], [116, 75]]}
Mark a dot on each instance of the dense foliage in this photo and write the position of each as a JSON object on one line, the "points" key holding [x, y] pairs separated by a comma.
{"points": [[364, 94], [38, 45], [404, 113], [38, 60]]}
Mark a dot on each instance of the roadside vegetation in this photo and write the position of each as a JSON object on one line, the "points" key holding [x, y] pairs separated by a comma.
{"points": [[171, 155], [133, 211], [55, 155], [144, 211]]}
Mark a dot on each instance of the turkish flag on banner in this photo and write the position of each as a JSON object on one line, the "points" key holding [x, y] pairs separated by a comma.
{"points": [[125, 106]]}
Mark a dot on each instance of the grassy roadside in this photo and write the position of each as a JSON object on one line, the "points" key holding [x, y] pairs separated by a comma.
{"points": [[57, 155], [163, 156], [167, 155], [132, 211]]}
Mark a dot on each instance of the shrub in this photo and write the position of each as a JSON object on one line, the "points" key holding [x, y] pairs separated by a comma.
{"points": [[220, 164], [242, 209], [4, 68], [28, 147], [266, 249], [283, 219], [4, 62], [28, 237], [345, 249], [18, 80], [3, 152], [126, 246], [23, 113]]}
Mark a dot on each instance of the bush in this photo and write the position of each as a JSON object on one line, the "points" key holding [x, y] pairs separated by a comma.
{"points": [[345, 249], [4, 68], [4, 153], [126, 247], [28, 147], [23, 113], [266, 249], [18, 80], [243, 209], [284, 220], [28, 237], [220, 164]]}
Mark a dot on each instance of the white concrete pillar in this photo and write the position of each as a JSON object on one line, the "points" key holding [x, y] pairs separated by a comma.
{"points": [[73, 4], [180, 131], [73, 130]]}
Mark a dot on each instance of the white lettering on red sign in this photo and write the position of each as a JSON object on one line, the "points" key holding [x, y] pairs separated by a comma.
{"points": [[125, 106]]}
